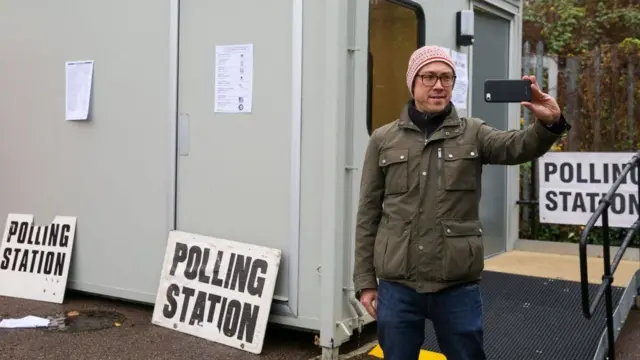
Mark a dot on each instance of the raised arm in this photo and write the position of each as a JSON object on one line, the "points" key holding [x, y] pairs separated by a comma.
{"points": [[519, 146], [514, 147]]}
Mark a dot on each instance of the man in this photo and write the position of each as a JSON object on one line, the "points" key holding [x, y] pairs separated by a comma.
{"points": [[418, 229]]}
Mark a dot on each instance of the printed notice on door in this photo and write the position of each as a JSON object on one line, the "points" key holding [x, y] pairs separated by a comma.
{"points": [[461, 88], [79, 77], [234, 78]]}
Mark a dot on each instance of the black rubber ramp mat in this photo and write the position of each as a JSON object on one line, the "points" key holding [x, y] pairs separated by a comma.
{"points": [[528, 318]]}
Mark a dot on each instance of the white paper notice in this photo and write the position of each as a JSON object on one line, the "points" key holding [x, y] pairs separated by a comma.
{"points": [[461, 88], [234, 78], [79, 77]]}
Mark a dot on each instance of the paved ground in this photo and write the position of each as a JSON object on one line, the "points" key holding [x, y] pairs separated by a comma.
{"points": [[628, 343], [138, 339]]}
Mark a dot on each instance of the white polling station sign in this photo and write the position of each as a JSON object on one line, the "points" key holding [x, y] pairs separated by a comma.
{"points": [[572, 184], [35, 260], [217, 289]]}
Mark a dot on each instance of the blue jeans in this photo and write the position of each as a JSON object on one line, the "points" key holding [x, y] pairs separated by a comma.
{"points": [[456, 315]]}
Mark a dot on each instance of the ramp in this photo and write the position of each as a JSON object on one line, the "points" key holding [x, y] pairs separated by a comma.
{"points": [[532, 315]]}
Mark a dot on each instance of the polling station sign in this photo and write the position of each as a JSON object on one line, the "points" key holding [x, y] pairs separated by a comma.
{"points": [[35, 260], [217, 289], [572, 184]]}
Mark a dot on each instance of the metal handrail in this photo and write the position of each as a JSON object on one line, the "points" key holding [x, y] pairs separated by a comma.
{"points": [[604, 289]]}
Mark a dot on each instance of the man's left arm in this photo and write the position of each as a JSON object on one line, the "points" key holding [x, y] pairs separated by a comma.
{"points": [[515, 147]]}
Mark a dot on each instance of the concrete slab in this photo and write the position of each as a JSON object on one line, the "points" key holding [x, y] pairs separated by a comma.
{"points": [[558, 266]]}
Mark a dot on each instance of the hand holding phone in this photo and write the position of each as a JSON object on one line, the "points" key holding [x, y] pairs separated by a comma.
{"points": [[507, 91], [526, 92]]}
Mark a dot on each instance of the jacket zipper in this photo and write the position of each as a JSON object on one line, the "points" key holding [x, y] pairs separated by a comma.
{"points": [[439, 168]]}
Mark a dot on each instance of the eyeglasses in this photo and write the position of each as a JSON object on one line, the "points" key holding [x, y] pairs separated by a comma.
{"points": [[432, 79]]}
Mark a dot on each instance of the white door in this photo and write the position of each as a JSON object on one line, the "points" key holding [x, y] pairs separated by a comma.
{"points": [[236, 178]]}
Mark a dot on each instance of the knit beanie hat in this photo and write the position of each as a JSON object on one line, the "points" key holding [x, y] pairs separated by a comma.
{"points": [[423, 56]]}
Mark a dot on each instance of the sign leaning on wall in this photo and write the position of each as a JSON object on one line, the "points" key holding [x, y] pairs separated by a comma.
{"points": [[35, 260], [572, 184], [217, 289]]}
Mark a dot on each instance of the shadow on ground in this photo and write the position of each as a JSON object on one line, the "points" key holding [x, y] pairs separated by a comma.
{"points": [[135, 338]]}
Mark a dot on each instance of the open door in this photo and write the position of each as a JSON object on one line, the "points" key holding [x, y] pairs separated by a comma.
{"points": [[389, 30], [396, 30]]}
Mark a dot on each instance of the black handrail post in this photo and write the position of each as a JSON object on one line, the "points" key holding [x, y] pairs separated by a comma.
{"points": [[533, 194], [605, 288], [608, 278]]}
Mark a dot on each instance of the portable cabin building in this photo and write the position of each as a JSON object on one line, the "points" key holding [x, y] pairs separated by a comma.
{"points": [[155, 156]]}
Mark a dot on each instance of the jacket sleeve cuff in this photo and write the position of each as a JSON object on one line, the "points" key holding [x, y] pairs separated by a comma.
{"points": [[548, 133], [365, 281], [559, 127]]}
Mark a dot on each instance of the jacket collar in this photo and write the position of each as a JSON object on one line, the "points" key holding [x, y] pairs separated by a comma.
{"points": [[405, 120]]}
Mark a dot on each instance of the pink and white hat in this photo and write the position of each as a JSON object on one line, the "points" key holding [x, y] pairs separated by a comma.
{"points": [[423, 56]]}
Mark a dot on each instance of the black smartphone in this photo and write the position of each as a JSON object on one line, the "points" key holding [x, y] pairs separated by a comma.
{"points": [[507, 91]]}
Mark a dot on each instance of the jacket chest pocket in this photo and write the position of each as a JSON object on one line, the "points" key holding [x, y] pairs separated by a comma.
{"points": [[461, 167], [395, 165]]}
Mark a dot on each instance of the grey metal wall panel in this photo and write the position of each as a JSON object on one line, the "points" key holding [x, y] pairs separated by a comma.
{"points": [[110, 172], [440, 19], [236, 181], [314, 39]]}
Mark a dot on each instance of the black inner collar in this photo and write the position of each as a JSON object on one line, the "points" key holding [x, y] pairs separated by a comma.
{"points": [[428, 123]]}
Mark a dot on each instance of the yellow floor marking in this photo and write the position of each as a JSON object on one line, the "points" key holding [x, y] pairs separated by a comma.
{"points": [[424, 354]]}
